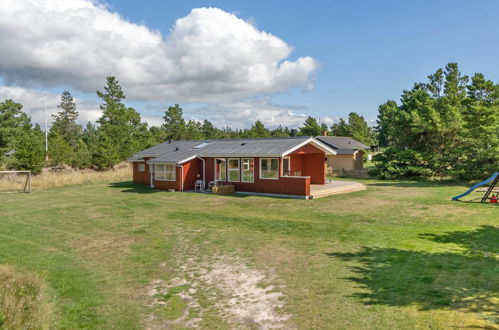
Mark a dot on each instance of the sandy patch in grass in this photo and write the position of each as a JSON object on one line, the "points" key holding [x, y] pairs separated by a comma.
{"points": [[236, 292], [246, 301]]}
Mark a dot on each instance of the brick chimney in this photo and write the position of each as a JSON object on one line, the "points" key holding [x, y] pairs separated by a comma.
{"points": [[323, 133]]}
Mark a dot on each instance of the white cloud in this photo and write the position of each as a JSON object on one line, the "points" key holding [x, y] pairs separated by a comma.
{"points": [[33, 104], [244, 114], [209, 55]]}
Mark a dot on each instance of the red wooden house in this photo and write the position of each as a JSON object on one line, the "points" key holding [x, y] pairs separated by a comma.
{"points": [[269, 166]]}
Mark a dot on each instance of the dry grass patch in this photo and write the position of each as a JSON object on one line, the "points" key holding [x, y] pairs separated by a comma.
{"points": [[23, 301], [50, 178]]}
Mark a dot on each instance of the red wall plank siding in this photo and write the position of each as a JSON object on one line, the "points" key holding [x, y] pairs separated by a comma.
{"points": [[299, 186], [164, 185], [310, 161], [141, 177], [192, 169], [314, 166]]}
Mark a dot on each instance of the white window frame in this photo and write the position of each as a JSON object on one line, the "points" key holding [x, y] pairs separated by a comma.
{"points": [[234, 170], [252, 172], [260, 168], [141, 167], [283, 170], [215, 168], [165, 172]]}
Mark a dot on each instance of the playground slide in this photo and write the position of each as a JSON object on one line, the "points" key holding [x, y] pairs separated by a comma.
{"points": [[489, 180]]}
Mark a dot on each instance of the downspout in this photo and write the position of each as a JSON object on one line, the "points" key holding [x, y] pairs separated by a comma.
{"points": [[151, 173], [181, 177], [204, 169]]}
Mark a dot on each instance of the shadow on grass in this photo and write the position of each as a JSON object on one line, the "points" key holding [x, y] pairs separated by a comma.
{"points": [[466, 282], [130, 187], [481, 242]]}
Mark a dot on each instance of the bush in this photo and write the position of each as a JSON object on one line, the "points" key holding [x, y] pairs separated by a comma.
{"points": [[394, 163]]}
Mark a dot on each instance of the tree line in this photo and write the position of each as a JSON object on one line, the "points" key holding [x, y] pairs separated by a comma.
{"points": [[445, 127], [120, 132]]}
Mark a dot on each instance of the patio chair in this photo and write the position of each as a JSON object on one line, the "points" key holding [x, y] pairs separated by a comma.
{"points": [[199, 184]]}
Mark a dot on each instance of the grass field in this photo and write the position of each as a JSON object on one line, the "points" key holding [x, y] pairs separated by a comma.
{"points": [[399, 255]]}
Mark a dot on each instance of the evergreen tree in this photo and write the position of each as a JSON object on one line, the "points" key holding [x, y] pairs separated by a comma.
{"points": [[18, 138], [121, 132], [30, 150], [209, 131], [340, 128], [174, 125], [65, 145], [158, 134], [479, 152], [310, 127], [13, 123], [193, 130], [258, 130], [65, 120], [441, 128], [359, 130], [280, 132]]}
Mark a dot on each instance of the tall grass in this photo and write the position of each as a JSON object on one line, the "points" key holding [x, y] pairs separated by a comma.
{"points": [[23, 301], [48, 179]]}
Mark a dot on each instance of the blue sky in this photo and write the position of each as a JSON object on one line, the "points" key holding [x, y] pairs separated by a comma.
{"points": [[367, 51]]}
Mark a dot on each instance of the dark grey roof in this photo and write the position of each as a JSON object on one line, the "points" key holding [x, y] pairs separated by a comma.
{"points": [[342, 142], [167, 147], [261, 146], [181, 151]]}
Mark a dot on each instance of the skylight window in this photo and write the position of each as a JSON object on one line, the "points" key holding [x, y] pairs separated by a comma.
{"points": [[202, 145]]}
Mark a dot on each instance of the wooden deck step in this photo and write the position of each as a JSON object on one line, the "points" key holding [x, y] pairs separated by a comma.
{"points": [[337, 190]]}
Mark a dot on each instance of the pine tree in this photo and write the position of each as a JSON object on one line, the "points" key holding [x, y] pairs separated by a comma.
{"points": [[209, 131], [65, 120], [18, 138], [258, 130], [193, 130], [310, 127], [121, 132], [65, 134], [341, 128], [174, 125]]}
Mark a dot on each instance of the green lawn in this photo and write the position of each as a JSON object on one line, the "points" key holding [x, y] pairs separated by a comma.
{"points": [[398, 255]]}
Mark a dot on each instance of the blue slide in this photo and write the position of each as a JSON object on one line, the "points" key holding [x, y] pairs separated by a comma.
{"points": [[489, 180]]}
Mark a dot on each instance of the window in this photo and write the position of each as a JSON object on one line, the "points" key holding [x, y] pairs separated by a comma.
{"points": [[269, 168], [164, 172], [248, 169], [220, 169], [141, 167], [286, 166], [234, 173]]}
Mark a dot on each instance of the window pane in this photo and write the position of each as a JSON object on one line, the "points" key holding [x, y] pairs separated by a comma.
{"points": [[234, 169], [270, 168], [233, 164], [170, 172], [141, 167], [221, 169], [248, 169], [159, 172], [233, 175], [285, 166]]}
